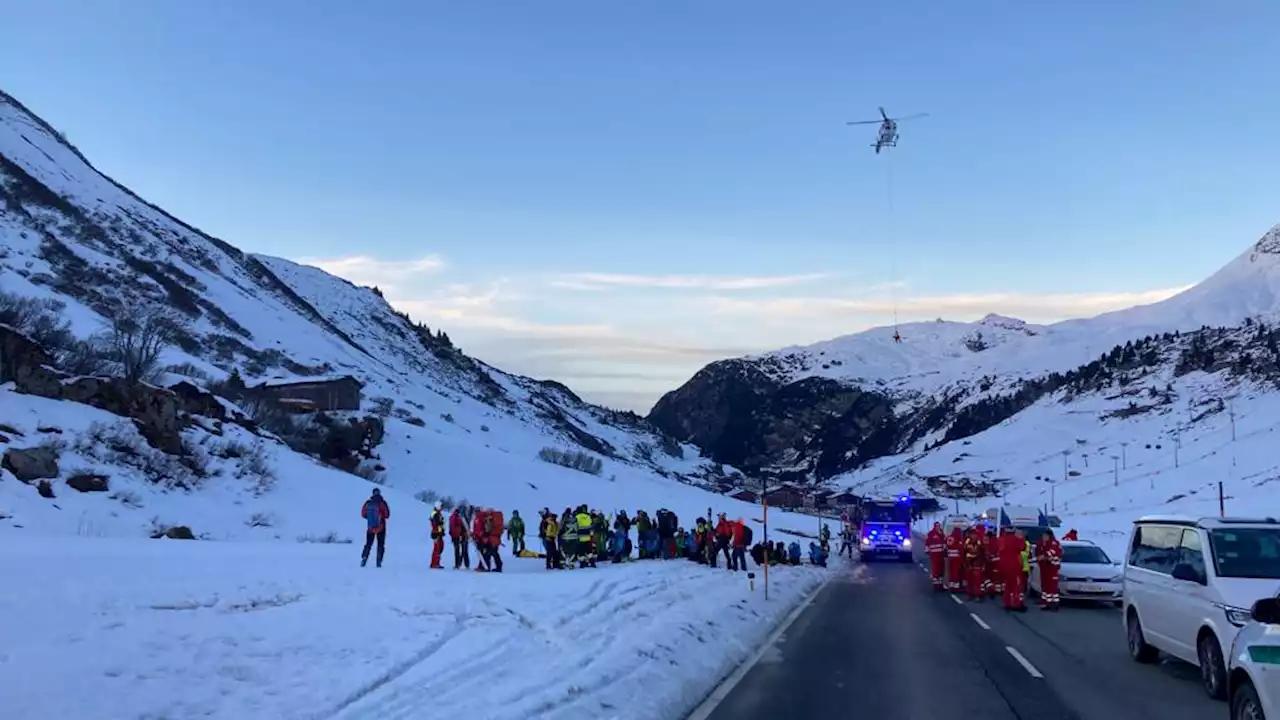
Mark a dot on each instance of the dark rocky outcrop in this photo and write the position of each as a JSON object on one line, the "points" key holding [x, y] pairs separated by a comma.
{"points": [[742, 416], [88, 482], [28, 464]]}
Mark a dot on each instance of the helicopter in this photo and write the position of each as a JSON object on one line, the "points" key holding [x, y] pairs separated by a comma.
{"points": [[888, 135]]}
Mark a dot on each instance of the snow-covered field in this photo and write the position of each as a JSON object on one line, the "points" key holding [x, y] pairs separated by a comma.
{"points": [[98, 628]]}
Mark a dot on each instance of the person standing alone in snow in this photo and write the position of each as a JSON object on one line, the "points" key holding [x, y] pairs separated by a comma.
{"points": [[515, 531], [458, 536], [375, 512], [437, 536]]}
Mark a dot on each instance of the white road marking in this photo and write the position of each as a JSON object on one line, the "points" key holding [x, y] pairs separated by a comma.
{"points": [[1025, 663], [957, 599], [717, 696], [981, 623]]}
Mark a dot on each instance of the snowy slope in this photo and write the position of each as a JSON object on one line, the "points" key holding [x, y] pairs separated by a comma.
{"points": [[1153, 441], [68, 232]]}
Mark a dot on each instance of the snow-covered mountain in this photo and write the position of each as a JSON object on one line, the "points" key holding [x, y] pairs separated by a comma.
{"points": [[832, 407], [77, 240]]}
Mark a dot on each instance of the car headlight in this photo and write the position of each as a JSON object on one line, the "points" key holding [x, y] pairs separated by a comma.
{"points": [[1236, 616], [906, 542], [866, 541]]}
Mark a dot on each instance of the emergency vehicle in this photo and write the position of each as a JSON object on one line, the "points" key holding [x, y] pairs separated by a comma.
{"points": [[1030, 520], [886, 529]]}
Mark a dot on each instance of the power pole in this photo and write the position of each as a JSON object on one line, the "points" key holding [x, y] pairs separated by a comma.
{"points": [[1115, 469], [1231, 413], [1177, 445], [1124, 455], [1053, 486]]}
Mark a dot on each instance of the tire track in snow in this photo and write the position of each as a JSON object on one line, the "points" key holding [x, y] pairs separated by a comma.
{"points": [[396, 671]]}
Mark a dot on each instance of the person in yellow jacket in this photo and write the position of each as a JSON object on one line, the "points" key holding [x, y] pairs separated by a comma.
{"points": [[586, 553], [550, 533]]}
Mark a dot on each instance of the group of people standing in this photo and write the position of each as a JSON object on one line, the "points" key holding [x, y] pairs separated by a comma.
{"points": [[986, 565], [582, 537]]}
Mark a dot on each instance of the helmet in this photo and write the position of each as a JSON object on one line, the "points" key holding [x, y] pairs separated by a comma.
{"points": [[439, 504], [377, 492]]}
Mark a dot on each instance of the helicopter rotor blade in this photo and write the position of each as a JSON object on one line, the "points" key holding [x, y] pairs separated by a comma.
{"points": [[864, 122], [883, 114]]}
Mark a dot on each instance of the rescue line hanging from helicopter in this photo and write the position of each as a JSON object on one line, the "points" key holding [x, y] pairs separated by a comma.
{"points": [[887, 137]]}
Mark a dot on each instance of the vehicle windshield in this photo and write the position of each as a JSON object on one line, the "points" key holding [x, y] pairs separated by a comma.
{"points": [[1246, 552], [888, 514], [1085, 555]]}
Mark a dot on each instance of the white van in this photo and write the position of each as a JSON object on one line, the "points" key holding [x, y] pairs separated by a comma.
{"points": [[1189, 586]]}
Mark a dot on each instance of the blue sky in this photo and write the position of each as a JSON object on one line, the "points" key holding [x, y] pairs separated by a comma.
{"points": [[614, 193]]}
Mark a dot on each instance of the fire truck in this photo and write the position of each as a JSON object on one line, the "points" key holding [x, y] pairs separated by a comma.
{"points": [[886, 529]]}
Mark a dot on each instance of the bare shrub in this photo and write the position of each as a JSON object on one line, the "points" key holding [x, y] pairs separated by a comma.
{"points": [[383, 406], [128, 498], [255, 465], [447, 502], [330, 538], [136, 337], [120, 444], [189, 370], [572, 459], [260, 520], [371, 473]]}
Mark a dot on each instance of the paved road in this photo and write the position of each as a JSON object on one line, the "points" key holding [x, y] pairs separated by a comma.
{"points": [[879, 640]]}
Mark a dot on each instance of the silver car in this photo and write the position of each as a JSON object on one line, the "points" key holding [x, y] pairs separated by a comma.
{"points": [[1087, 573]]}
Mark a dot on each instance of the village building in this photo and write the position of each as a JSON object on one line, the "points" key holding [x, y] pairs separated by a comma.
{"points": [[314, 393]]}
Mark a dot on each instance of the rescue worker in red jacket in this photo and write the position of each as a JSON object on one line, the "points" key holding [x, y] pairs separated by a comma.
{"points": [[437, 536], [994, 581], [1050, 564], [724, 534], [738, 558], [975, 547], [935, 546], [955, 547], [1071, 535], [458, 537], [481, 538], [1013, 550]]}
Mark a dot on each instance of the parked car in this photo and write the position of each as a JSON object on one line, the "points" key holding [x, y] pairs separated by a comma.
{"points": [[1087, 573], [1253, 680], [1189, 585]]}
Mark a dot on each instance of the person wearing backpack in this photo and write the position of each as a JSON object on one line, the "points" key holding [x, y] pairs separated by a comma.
{"points": [[458, 536], [375, 512], [493, 537], [739, 540]]}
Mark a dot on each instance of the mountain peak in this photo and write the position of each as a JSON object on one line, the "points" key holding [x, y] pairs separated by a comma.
{"points": [[1268, 244]]}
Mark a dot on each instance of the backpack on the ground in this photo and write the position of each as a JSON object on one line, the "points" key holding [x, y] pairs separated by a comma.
{"points": [[746, 534]]}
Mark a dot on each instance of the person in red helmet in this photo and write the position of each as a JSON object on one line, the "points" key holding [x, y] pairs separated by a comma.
{"points": [[1050, 564], [935, 546], [955, 547], [1013, 552]]}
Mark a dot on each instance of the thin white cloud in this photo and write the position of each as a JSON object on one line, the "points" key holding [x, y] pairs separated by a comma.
{"points": [[1046, 307], [605, 281], [383, 274]]}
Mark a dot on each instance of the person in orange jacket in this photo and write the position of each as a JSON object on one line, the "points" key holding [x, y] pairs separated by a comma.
{"points": [[480, 538], [955, 548], [738, 539], [935, 546], [1050, 564], [724, 534]]}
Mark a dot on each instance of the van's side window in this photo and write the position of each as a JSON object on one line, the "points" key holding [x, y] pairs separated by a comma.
{"points": [[1192, 552], [1156, 548]]}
